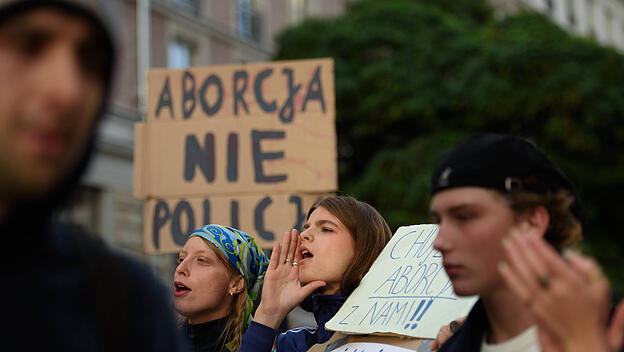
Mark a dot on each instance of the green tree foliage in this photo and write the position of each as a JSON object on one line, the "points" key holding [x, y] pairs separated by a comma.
{"points": [[414, 77]]}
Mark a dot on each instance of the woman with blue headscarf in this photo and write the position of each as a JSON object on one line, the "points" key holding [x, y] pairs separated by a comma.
{"points": [[220, 270]]}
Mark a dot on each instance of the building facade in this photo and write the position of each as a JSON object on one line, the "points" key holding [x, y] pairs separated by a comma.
{"points": [[602, 20], [173, 34]]}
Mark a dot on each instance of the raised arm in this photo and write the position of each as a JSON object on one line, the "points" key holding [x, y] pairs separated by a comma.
{"points": [[282, 291]]}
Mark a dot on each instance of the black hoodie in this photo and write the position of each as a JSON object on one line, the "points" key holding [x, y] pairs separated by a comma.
{"points": [[65, 290]]}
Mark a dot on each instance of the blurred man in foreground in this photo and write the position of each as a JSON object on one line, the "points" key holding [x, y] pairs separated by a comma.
{"points": [[506, 212], [64, 290]]}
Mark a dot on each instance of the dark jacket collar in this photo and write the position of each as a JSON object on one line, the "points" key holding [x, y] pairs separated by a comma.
{"points": [[469, 337], [324, 307], [206, 336]]}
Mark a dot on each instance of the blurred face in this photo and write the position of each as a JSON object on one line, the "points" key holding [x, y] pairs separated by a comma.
{"points": [[473, 222], [202, 283], [50, 91], [327, 249]]}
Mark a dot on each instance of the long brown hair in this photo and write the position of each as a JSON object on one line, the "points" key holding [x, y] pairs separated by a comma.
{"points": [[369, 230]]}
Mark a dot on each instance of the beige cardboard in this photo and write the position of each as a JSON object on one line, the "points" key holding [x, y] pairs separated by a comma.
{"points": [[279, 216], [341, 342], [308, 162], [274, 88], [400, 341], [290, 104]]}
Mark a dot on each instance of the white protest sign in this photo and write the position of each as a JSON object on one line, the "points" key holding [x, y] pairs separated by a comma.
{"points": [[369, 347], [405, 292]]}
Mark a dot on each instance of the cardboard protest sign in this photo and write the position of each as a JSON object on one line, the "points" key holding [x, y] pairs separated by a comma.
{"points": [[406, 291], [372, 343], [369, 347], [236, 156], [284, 90], [231, 136], [266, 216]]}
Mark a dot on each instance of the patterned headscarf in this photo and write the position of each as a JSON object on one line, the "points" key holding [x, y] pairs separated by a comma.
{"points": [[243, 253]]}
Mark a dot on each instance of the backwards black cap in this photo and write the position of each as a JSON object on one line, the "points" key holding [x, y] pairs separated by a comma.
{"points": [[501, 162]]}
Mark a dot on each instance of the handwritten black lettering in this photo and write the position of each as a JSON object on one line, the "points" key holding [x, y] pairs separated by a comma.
{"points": [[287, 113], [160, 218], [259, 219], [195, 155], [232, 157], [188, 94], [164, 100], [239, 91], [315, 90], [234, 214], [259, 156], [260, 77], [215, 81], [178, 234]]}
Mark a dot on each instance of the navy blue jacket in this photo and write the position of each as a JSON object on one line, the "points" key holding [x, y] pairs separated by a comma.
{"points": [[260, 338]]}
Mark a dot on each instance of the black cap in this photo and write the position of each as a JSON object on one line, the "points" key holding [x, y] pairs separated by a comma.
{"points": [[501, 162]]}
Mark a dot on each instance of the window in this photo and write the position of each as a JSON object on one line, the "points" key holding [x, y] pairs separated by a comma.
{"points": [[571, 14], [178, 54], [297, 10], [249, 20], [550, 7], [190, 6], [608, 16], [589, 10]]}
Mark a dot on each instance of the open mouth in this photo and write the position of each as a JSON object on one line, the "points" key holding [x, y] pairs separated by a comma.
{"points": [[306, 254], [179, 289]]}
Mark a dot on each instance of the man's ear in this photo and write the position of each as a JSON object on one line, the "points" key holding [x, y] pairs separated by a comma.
{"points": [[538, 219], [237, 284]]}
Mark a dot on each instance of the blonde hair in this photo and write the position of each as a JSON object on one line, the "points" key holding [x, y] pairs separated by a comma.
{"points": [[233, 332], [564, 229]]}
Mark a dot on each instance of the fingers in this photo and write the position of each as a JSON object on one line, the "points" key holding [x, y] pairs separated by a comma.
{"points": [[446, 332], [433, 345], [514, 283], [289, 248], [552, 261], [275, 255], [535, 263], [615, 334], [522, 266], [298, 251], [532, 264], [443, 334], [586, 267], [285, 248], [536, 258], [590, 275], [293, 245]]}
